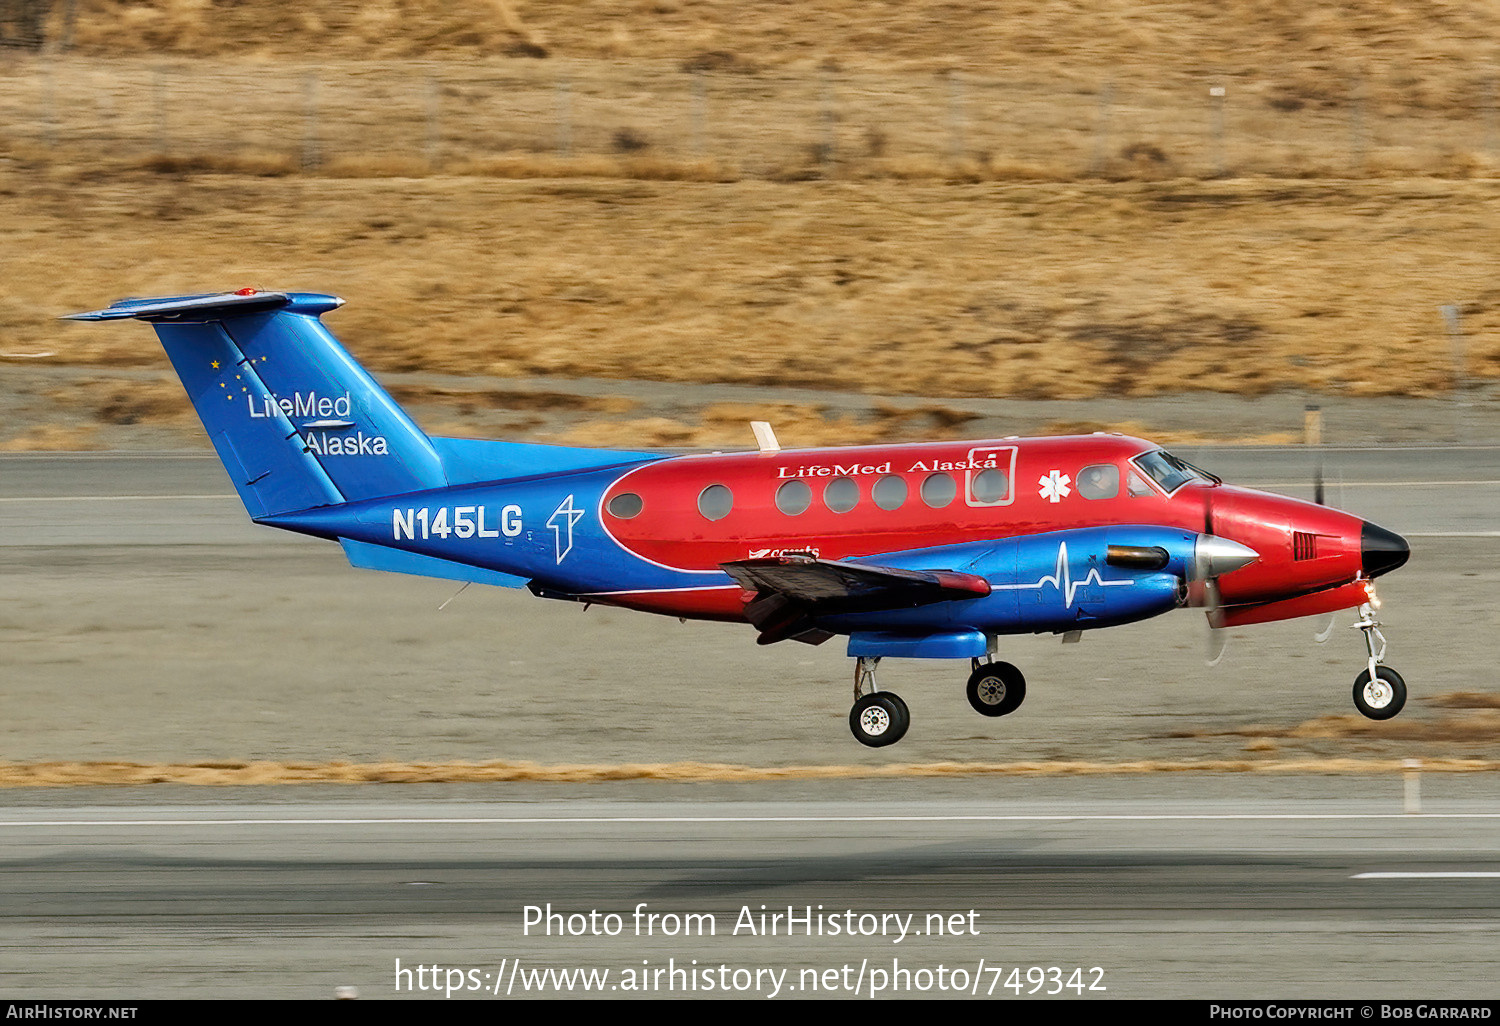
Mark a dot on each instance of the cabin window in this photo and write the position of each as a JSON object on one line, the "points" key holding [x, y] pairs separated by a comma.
{"points": [[626, 505], [938, 490], [989, 487], [889, 492], [793, 498], [715, 502], [1101, 481], [841, 495], [1138, 486]]}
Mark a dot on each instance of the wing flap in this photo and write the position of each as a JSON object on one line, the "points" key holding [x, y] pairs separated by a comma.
{"points": [[791, 591]]}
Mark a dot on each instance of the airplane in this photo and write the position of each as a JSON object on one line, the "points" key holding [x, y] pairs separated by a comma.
{"points": [[930, 550]]}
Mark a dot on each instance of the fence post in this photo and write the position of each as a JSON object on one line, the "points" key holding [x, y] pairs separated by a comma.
{"points": [[1312, 424], [1357, 124], [312, 159], [434, 100], [1491, 136], [564, 104], [1451, 315], [49, 101], [1101, 128], [1221, 165], [70, 16], [696, 115], [159, 109], [1411, 773], [830, 144], [955, 117]]}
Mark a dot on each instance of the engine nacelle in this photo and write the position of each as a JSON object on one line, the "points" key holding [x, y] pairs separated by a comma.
{"points": [[1056, 582]]}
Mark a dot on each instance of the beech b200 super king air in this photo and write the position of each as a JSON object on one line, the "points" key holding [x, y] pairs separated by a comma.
{"points": [[929, 550]]}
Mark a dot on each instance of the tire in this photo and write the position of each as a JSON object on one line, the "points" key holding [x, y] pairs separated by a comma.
{"points": [[1381, 698], [879, 719], [996, 689]]}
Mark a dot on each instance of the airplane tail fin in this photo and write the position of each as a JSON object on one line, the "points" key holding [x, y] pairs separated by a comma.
{"points": [[295, 420]]}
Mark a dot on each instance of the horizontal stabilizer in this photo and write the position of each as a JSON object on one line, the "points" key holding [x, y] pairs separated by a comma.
{"points": [[395, 561], [208, 306]]}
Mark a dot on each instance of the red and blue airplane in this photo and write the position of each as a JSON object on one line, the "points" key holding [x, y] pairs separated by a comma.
{"points": [[929, 550]]}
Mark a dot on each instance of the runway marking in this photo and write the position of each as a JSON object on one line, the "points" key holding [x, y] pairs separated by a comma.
{"points": [[1454, 875], [1374, 484], [111, 498], [1061, 817]]}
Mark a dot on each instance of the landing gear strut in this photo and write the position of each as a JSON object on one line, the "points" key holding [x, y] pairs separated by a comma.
{"points": [[879, 718], [995, 689], [1379, 692]]}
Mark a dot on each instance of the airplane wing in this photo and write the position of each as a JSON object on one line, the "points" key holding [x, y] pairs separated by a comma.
{"points": [[791, 590]]}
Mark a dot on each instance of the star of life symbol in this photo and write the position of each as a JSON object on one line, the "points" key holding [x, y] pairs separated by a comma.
{"points": [[1054, 486], [563, 518]]}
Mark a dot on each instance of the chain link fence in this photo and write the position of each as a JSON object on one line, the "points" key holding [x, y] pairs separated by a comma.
{"points": [[362, 118]]}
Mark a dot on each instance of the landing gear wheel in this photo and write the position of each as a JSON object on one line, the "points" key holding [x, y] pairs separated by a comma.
{"points": [[879, 719], [996, 689], [1382, 696]]}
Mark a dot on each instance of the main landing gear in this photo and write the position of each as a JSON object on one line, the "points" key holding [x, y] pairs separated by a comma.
{"points": [[1379, 692], [995, 689], [880, 718]]}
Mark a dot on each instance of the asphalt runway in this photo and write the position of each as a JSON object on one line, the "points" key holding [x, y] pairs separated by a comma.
{"points": [[1147, 897], [145, 619]]}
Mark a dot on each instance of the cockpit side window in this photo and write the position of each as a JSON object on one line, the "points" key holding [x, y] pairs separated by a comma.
{"points": [[1171, 472]]}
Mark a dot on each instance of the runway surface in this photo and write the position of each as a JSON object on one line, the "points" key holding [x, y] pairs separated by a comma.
{"points": [[1148, 896], [145, 619]]}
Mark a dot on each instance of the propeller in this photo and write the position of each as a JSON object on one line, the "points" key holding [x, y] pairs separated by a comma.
{"points": [[1325, 628], [1325, 623], [1216, 641]]}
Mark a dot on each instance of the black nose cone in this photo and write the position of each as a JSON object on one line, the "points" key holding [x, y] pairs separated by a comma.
{"points": [[1382, 550]]}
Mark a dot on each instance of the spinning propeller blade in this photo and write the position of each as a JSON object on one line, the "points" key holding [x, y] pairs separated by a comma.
{"points": [[1325, 629]]}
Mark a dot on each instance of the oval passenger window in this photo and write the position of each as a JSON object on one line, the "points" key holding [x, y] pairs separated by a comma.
{"points": [[625, 505], [841, 495], [715, 502], [938, 490], [889, 492], [989, 486], [793, 498]]}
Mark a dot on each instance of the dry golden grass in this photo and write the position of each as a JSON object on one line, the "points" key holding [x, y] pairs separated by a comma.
{"points": [[1425, 38], [127, 402], [1023, 290], [847, 215], [1478, 723], [231, 773], [467, 400], [53, 438]]}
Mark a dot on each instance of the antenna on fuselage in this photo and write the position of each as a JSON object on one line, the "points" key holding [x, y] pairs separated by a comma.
{"points": [[765, 436]]}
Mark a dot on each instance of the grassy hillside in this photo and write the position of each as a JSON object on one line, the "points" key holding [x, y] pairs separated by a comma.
{"points": [[533, 188]]}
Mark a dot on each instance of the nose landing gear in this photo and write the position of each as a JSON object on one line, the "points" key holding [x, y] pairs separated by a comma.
{"points": [[1379, 691]]}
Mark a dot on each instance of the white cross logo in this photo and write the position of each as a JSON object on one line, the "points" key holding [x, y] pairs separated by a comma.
{"points": [[1054, 486], [569, 517]]}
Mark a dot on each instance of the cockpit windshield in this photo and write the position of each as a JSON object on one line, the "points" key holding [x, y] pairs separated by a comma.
{"points": [[1172, 472]]}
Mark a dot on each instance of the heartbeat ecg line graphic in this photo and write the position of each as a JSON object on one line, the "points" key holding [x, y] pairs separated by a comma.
{"points": [[1062, 579]]}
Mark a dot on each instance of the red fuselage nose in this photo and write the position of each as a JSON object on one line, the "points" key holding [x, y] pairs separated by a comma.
{"points": [[1303, 547]]}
